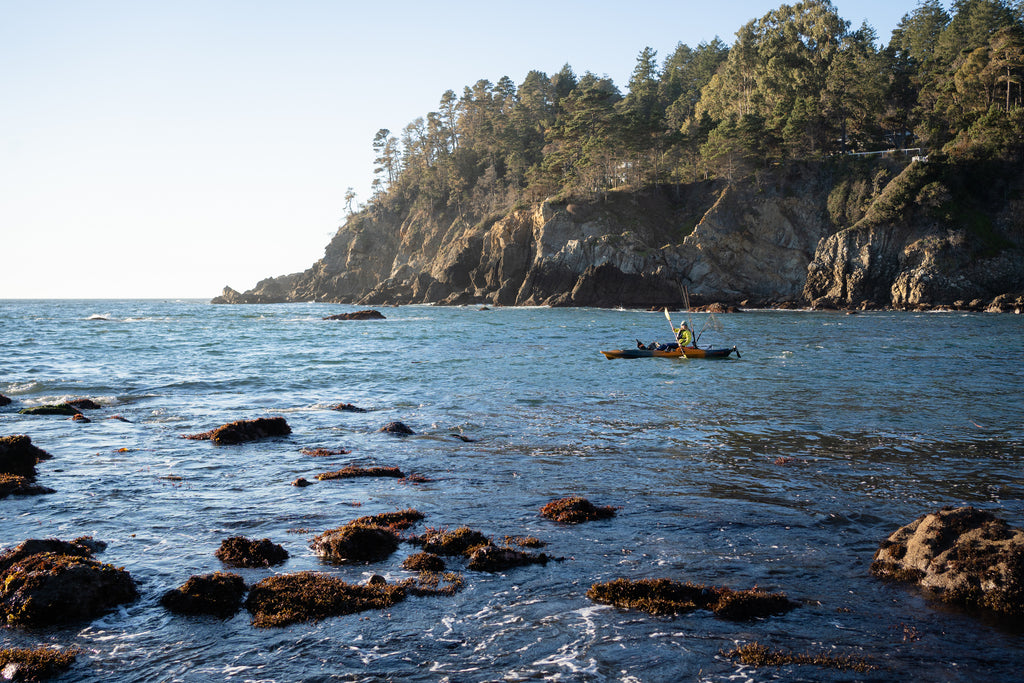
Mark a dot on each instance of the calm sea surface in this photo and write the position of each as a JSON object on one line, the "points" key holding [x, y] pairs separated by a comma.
{"points": [[882, 417]]}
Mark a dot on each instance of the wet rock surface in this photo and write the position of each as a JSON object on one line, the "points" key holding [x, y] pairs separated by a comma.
{"points": [[963, 556], [34, 664], [354, 471], [239, 551], [219, 594], [15, 485], [368, 314], [668, 597], [19, 457], [396, 428], [245, 430], [54, 409], [575, 510], [312, 596], [355, 543], [51, 582]]}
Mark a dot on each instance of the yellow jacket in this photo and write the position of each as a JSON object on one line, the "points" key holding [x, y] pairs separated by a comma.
{"points": [[684, 336]]}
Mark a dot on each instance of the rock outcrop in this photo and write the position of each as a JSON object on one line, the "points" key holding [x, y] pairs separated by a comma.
{"points": [[797, 235], [49, 582], [962, 555]]}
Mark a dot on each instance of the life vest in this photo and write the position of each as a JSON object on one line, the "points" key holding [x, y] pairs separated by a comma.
{"points": [[684, 336]]}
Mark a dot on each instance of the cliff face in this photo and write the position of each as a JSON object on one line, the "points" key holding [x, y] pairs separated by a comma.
{"points": [[769, 242]]}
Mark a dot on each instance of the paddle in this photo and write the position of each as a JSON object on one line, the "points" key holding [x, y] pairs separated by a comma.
{"points": [[673, 328]]}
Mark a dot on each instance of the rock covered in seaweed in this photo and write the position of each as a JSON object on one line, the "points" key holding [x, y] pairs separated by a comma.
{"points": [[15, 485], [492, 558], [19, 457], [964, 556], [354, 471], [311, 596], [245, 430], [34, 664], [668, 597], [239, 551], [218, 594], [398, 428], [423, 562], [368, 314], [355, 543], [575, 510], [50, 582], [52, 409]]}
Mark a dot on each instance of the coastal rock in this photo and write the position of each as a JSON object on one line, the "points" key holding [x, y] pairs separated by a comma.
{"points": [[245, 430], [239, 551], [423, 562], [311, 596], [368, 314], [492, 558], [84, 404], [4, 401], [14, 485], [34, 664], [19, 457], [396, 428], [575, 510], [668, 597], [219, 594], [54, 409], [799, 234], [348, 408], [355, 543], [40, 587], [354, 471], [964, 556]]}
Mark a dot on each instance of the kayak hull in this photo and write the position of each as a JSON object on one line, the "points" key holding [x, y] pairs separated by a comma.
{"points": [[689, 351]]}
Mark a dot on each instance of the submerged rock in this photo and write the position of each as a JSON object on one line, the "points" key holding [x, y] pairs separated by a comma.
{"points": [[34, 664], [492, 558], [667, 597], [355, 543], [50, 582], [396, 428], [55, 409], [239, 551], [368, 314], [396, 521], [311, 596], [348, 408], [354, 471], [575, 510], [423, 562], [4, 401], [84, 404], [15, 485], [964, 556], [19, 457], [245, 430], [218, 594]]}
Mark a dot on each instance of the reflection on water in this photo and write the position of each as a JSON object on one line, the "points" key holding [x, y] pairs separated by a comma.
{"points": [[783, 469]]}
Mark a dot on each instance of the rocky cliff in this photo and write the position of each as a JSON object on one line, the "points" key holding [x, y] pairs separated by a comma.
{"points": [[871, 236]]}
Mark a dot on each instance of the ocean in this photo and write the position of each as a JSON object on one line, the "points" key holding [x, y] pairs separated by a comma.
{"points": [[783, 469]]}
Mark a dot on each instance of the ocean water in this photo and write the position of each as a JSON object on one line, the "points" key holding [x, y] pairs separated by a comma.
{"points": [[783, 469]]}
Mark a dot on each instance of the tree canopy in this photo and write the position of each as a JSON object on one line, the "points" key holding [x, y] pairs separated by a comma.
{"points": [[797, 84]]}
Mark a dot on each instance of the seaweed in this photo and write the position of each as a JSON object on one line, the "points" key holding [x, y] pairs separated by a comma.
{"points": [[35, 664], [354, 471], [239, 551], [355, 543], [662, 597], [462, 541], [311, 596], [218, 594], [575, 510], [399, 520], [755, 654], [423, 562]]}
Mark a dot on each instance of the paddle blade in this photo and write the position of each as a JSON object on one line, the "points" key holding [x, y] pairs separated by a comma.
{"points": [[668, 317]]}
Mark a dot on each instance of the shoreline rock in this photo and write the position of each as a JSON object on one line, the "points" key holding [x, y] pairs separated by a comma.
{"points": [[964, 556], [239, 551], [218, 594], [244, 430]]}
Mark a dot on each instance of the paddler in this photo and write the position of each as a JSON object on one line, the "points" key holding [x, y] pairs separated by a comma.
{"points": [[683, 334]]}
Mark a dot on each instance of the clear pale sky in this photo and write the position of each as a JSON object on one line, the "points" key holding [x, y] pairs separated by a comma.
{"points": [[154, 149]]}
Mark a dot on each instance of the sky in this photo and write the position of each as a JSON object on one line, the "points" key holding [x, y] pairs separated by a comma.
{"points": [[166, 149]]}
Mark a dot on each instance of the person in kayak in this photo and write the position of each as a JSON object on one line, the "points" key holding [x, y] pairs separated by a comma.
{"points": [[683, 334]]}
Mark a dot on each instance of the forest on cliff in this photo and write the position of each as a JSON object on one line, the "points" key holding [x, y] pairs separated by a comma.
{"points": [[798, 84]]}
